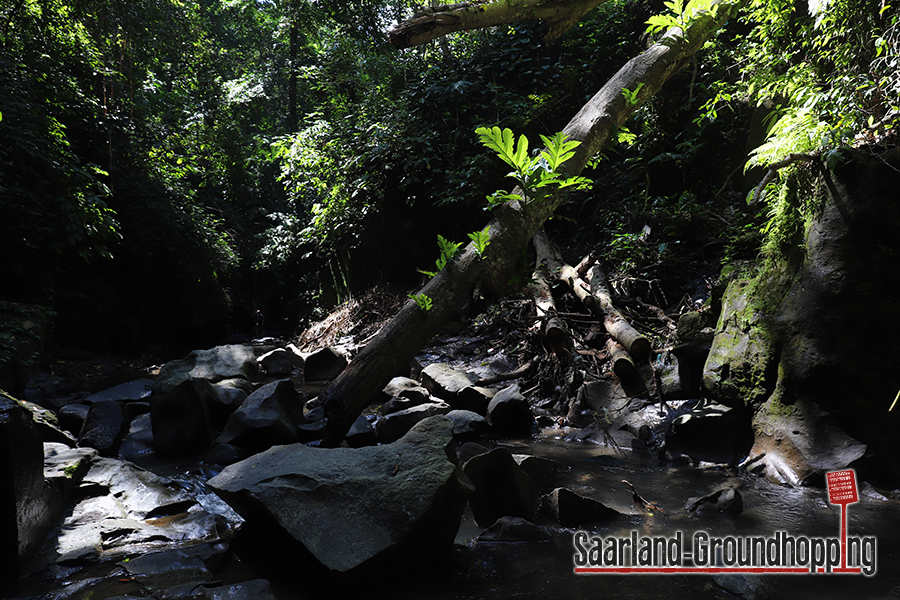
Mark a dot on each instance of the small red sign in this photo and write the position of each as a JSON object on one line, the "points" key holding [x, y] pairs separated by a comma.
{"points": [[842, 487]]}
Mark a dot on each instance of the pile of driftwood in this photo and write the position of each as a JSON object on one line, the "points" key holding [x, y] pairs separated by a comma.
{"points": [[626, 348]]}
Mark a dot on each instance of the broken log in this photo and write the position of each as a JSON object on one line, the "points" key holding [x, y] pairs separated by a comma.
{"points": [[622, 363], [617, 326], [472, 274]]}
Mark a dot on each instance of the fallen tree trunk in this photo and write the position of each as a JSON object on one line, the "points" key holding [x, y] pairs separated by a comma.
{"points": [[434, 22], [619, 328], [469, 276]]}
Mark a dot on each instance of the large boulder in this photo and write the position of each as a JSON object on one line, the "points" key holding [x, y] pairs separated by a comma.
{"points": [[502, 488], [323, 365], [395, 506], [105, 426], [281, 362], [574, 510], [509, 411], [24, 507], [268, 416], [215, 364]]}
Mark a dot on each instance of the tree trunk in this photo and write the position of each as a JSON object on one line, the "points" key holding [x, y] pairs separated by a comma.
{"points": [[467, 277], [636, 344], [438, 21], [552, 328]]}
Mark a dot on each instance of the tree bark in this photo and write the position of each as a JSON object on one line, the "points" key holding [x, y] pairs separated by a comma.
{"points": [[636, 344], [434, 22], [468, 276], [552, 328]]}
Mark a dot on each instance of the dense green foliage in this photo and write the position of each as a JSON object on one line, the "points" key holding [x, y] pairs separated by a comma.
{"points": [[168, 169]]}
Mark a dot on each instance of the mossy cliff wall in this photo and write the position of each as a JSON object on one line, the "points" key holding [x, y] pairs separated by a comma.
{"points": [[810, 345]]}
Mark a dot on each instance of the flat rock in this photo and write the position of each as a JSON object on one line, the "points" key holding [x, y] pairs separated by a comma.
{"points": [[399, 504], [131, 391], [444, 381], [215, 364], [468, 423]]}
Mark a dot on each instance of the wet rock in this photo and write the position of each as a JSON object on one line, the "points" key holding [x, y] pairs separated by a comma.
{"points": [[710, 432], [468, 423], [71, 418], [361, 433], [725, 500], [399, 503], [509, 411], [392, 427], [105, 426], [181, 418], [542, 471], [139, 439], [502, 488], [172, 574], [323, 365], [224, 454], [256, 589], [64, 468], [444, 381], [24, 508], [268, 416], [739, 585], [574, 510], [126, 510], [514, 529], [131, 391], [216, 364], [281, 362]]}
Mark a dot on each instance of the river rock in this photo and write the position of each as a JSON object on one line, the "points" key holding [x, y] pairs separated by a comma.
{"points": [[106, 424], [392, 427], [404, 387], [509, 411], [47, 424], [71, 418], [474, 398], [139, 439], [280, 362], [268, 416], [323, 365], [361, 433], [710, 432], [215, 364], [444, 381], [395, 506], [502, 488], [727, 500], [468, 423], [181, 418], [24, 508], [229, 394], [64, 468], [574, 510], [514, 529]]}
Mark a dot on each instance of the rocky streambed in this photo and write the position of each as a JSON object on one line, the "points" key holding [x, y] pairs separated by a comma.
{"points": [[205, 481]]}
